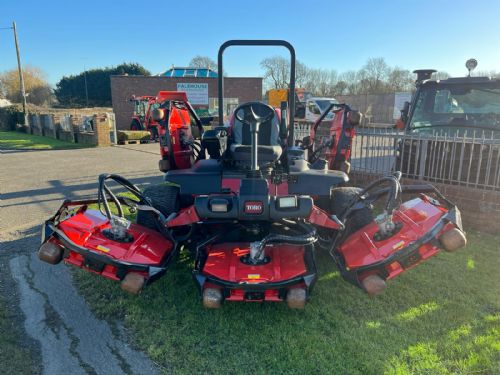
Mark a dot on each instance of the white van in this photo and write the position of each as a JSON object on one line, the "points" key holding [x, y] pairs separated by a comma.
{"points": [[316, 106]]}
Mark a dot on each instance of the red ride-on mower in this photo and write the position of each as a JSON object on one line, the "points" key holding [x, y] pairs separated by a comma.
{"points": [[253, 216], [180, 131], [331, 140]]}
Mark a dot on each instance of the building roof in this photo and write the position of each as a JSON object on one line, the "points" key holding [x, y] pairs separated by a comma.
{"points": [[189, 72]]}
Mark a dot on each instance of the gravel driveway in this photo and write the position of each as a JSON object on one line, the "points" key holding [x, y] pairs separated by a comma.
{"points": [[59, 327]]}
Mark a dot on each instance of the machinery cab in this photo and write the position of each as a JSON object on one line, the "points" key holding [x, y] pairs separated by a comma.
{"points": [[453, 105]]}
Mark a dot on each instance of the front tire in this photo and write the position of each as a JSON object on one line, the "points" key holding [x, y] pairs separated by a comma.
{"points": [[165, 198]]}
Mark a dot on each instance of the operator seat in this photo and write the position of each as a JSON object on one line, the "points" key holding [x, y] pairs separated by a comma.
{"points": [[269, 149]]}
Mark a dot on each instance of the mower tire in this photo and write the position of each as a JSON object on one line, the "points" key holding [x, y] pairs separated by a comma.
{"points": [[212, 298], [50, 253], [164, 197], [373, 285], [132, 283], [296, 298], [453, 239], [340, 200]]}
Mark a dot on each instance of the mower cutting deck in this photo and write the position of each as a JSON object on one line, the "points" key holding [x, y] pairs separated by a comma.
{"points": [[253, 216]]}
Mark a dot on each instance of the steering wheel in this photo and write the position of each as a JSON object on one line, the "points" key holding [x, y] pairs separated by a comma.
{"points": [[254, 113]]}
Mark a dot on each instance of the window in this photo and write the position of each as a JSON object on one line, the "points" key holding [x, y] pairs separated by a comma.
{"points": [[230, 105], [178, 73], [323, 104], [201, 72], [458, 105]]}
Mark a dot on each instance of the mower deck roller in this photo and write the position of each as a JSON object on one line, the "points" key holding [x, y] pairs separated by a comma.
{"points": [[254, 216]]}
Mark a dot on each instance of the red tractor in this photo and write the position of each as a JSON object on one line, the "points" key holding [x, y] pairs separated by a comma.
{"points": [[252, 215], [142, 119]]}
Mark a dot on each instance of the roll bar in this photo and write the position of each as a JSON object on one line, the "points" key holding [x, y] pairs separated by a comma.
{"points": [[256, 42]]}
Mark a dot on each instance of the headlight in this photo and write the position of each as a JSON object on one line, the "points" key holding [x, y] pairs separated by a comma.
{"points": [[286, 202]]}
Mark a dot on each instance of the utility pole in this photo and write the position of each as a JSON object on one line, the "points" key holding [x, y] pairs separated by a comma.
{"points": [[21, 78], [86, 89]]}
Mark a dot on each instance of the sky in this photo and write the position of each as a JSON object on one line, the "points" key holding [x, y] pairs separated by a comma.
{"points": [[64, 37]]}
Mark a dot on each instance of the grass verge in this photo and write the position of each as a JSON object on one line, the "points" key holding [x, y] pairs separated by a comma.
{"points": [[12, 140], [442, 318]]}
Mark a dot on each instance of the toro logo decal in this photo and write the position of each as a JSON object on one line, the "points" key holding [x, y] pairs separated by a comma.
{"points": [[253, 207]]}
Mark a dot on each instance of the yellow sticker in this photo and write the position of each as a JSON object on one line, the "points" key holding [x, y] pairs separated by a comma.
{"points": [[399, 245], [104, 249], [253, 276]]}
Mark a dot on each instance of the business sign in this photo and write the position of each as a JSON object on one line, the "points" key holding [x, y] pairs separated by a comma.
{"points": [[197, 93], [399, 101]]}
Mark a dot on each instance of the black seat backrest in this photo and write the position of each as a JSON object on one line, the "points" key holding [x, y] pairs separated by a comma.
{"points": [[268, 133]]}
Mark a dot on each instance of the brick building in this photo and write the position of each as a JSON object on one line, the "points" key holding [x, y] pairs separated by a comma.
{"points": [[236, 90]]}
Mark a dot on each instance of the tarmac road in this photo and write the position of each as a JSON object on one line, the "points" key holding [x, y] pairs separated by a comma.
{"points": [[60, 330]]}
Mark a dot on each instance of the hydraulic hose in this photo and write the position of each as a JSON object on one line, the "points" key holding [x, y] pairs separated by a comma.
{"points": [[305, 239], [393, 192], [103, 191]]}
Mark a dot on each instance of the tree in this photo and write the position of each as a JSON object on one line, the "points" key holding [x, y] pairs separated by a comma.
{"points": [[374, 75], [276, 72], [37, 89], [400, 79], [70, 91], [203, 62], [440, 75], [486, 73], [301, 74], [351, 84]]}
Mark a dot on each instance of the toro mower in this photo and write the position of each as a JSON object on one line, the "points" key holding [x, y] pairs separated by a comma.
{"points": [[176, 103], [253, 215]]}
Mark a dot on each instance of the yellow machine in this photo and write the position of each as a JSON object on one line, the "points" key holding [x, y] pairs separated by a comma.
{"points": [[276, 96]]}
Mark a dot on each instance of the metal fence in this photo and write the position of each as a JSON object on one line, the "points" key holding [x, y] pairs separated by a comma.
{"points": [[466, 158], [301, 129]]}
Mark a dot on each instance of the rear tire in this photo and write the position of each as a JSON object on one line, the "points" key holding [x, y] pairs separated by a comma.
{"points": [[340, 200], [165, 198]]}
